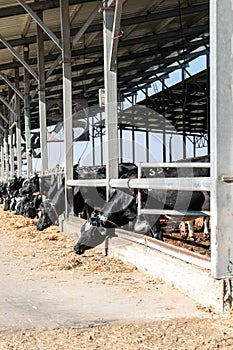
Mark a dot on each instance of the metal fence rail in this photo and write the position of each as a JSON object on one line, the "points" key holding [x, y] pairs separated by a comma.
{"points": [[172, 183]]}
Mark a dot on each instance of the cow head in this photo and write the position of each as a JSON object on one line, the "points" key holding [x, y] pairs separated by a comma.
{"points": [[90, 237]]}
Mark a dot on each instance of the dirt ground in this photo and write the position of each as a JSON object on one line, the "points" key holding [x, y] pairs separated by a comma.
{"points": [[112, 305]]}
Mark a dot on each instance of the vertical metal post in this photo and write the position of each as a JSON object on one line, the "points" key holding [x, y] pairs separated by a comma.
{"points": [[101, 140], [184, 113], [93, 142], [133, 143], [18, 126], [147, 146], [42, 100], [164, 124], [6, 151], [221, 93], [11, 152], [194, 146], [27, 120], [208, 99], [121, 145], [67, 102], [170, 149], [110, 83], [11, 133], [2, 157]]}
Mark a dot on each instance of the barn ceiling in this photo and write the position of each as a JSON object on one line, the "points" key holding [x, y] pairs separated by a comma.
{"points": [[156, 38]]}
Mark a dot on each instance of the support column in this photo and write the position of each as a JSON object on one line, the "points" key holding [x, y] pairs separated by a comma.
{"points": [[18, 126], [42, 100], [11, 133], [208, 99], [121, 145], [164, 125], [133, 143], [101, 140], [6, 152], [221, 93], [2, 157], [147, 147], [27, 120], [93, 142], [110, 84], [67, 102], [184, 112], [11, 136]]}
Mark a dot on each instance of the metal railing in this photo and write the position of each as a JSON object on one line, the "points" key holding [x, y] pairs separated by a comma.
{"points": [[172, 183]]}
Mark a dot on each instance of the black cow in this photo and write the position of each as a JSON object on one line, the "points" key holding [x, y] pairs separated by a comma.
{"points": [[30, 209], [31, 186], [85, 199], [10, 191], [3, 192], [121, 209], [48, 215]]}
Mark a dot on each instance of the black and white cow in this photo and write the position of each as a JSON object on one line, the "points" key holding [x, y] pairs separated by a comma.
{"points": [[23, 196], [121, 209], [85, 199]]}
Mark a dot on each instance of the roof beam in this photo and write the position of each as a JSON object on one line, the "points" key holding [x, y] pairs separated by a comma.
{"points": [[51, 4], [2, 128], [132, 56], [124, 22], [7, 105], [19, 58], [12, 86], [77, 37], [37, 19], [4, 118], [37, 6], [83, 29]]}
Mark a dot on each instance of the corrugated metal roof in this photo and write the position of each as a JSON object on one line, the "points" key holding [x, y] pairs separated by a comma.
{"points": [[153, 35]]}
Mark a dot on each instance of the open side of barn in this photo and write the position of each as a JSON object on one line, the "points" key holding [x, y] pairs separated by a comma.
{"points": [[119, 49]]}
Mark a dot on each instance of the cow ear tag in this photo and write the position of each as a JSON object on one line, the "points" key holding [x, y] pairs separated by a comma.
{"points": [[103, 231]]}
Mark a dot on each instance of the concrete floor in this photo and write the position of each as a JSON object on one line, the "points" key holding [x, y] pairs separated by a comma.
{"points": [[37, 298]]}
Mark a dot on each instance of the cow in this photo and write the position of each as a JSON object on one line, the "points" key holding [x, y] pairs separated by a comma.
{"points": [[190, 233], [85, 199], [32, 185], [22, 196], [121, 210], [48, 215]]}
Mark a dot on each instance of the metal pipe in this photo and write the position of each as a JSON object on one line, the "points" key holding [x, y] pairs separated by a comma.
{"points": [[182, 183], [177, 252], [176, 165], [119, 183], [174, 212], [87, 183]]}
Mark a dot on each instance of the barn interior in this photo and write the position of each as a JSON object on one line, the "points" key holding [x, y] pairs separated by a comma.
{"points": [[141, 87], [155, 39]]}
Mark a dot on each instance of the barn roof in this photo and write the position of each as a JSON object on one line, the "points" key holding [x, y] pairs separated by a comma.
{"points": [[156, 37]]}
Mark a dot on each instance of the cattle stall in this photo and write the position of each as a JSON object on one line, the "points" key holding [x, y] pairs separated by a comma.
{"points": [[109, 54]]}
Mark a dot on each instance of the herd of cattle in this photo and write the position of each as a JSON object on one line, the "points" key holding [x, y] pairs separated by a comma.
{"points": [[24, 197]]}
